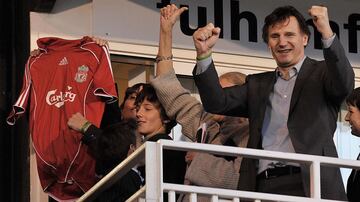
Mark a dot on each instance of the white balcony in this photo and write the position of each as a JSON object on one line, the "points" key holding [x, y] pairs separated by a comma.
{"points": [[154, 188]]}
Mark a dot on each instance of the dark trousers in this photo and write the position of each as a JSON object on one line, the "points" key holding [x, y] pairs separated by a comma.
{"points": [[285, 184]]}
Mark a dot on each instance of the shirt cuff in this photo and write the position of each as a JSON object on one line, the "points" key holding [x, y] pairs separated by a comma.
{"points": [[328, 42], [203, 65]]}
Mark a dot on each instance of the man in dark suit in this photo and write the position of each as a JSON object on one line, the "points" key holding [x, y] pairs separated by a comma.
{"points": [[292, 109], [353, 117]]}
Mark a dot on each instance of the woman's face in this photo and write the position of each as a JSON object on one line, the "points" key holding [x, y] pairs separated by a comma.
{"points": [[129, 109], [149, 119]]}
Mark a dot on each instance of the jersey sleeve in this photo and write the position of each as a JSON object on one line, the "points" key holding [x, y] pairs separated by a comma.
{"points": [[103, 78], [20, 105]]}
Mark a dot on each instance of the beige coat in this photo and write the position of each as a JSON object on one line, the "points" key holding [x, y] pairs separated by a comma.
{"points": [[205, 169]]}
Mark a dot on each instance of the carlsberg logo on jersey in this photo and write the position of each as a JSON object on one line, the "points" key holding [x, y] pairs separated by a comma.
{"points": [[59, 98]]}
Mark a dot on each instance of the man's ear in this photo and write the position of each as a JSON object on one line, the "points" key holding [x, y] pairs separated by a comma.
{"points": [[132, 148], [305, 40]]}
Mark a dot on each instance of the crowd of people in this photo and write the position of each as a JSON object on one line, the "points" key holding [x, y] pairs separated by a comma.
{"points": [[292, 109]]}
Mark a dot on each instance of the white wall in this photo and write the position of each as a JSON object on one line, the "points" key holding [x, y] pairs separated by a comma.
{"points": [[137, 22], [131, 26]]}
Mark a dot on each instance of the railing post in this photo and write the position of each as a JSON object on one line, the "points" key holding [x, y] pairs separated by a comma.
{"points": [[315, 182], [172, 196], [214, 198], [154, 174], [193, 197]]}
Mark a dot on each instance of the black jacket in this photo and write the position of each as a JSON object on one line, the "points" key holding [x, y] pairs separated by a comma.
{"points": [[174, 164], [320, 88], [353, 186]]}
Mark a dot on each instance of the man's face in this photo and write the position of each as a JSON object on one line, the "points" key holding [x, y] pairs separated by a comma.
{"points": [[286, 42], [353, 117]]}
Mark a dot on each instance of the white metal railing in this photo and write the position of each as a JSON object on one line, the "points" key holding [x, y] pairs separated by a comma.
{"points": [[154, 188]]}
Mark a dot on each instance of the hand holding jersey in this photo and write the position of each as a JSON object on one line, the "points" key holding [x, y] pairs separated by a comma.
{"points": [[77, 122]]}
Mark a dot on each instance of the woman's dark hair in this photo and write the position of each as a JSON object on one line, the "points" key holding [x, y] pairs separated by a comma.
{"points": [[148, 93], [113, 144], [280, 15], [130, 90], [354, 98]]}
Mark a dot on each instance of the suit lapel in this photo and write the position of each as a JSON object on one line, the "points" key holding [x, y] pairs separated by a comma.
{"points": [[267, 83], [266, 87], [303, 75]]}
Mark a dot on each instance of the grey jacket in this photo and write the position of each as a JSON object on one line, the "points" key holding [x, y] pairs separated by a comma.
{"points": [[205, 169]]}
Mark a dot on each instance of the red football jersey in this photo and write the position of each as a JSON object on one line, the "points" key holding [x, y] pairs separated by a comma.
{"points": [[68, 76]]}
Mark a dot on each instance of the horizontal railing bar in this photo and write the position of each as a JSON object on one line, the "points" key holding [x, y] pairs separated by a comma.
{"points": [[230, 194], [259, 154]]}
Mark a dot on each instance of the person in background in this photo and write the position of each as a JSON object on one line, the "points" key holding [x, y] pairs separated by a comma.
{"points": [[154, 125], [293, 109], [113, 114], [199, 126], [113, 146], [353, 117]]}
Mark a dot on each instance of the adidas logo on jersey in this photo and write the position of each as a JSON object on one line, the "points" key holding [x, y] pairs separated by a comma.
{"points": [[63, 62]]}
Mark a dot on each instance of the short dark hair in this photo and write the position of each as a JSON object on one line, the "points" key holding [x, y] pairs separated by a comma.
{"points": [[148, 93], [130, 90], [354, 98], [281, 14], [113, 144]]}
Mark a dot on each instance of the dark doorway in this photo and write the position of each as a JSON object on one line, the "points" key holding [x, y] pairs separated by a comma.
{"points": [[14, 141]]}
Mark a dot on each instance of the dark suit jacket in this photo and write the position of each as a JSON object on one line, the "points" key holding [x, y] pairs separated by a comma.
{"points": [[320, 88], [353, 186]]}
